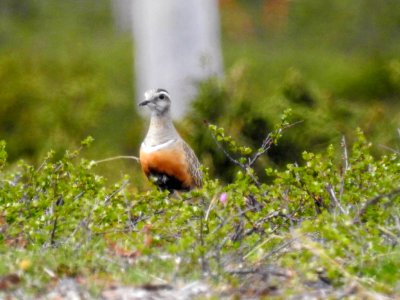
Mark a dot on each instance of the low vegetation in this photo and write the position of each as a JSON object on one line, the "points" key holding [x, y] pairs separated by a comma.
{"points": [[328, 224]]}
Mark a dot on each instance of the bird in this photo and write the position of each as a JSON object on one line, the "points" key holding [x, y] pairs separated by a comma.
{"points": [[165, 158]]}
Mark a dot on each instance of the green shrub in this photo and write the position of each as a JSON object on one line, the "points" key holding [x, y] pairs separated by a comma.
{"points": [[324, 220]]}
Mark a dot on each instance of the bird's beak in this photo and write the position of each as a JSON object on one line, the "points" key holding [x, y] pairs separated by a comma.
{"points": [[144, 103]]}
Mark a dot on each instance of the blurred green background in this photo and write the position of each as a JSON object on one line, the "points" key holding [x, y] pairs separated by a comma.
{"points": [[66, 72]]}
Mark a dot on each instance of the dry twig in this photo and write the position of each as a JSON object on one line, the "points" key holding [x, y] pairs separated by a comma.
{"points": [[373, 201]]}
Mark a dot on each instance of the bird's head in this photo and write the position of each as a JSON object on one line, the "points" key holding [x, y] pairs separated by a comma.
{"points": [[157, 100]]}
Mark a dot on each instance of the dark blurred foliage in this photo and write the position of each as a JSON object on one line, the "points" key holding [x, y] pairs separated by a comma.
{"points": [[335, 64], [66, 73], [319, 117]]}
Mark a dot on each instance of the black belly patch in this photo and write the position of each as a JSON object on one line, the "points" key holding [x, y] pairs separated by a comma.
{"points": [[166, 182]]}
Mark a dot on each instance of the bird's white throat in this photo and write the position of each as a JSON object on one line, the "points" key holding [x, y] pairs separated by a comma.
{"points": [[152, 148]]}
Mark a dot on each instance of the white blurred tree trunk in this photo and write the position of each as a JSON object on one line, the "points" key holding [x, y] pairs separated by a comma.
{"points": [[177, 44], [122, 12]]}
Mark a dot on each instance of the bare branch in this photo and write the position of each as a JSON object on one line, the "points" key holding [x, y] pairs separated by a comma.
{"points": [[390, 149], [345, 155], [279, 249], [264, 271], [332, 196], [115, 158], [373, 201], [53, 232], [227, 154], [346, 166], [113, 193], [265, 146], [268, 142]]}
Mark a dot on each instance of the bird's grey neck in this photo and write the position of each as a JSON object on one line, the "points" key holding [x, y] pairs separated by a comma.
{"points": [[161, 129]]}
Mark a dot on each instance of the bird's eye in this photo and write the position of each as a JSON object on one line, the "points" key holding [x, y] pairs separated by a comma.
{"points": [[161, 96]]}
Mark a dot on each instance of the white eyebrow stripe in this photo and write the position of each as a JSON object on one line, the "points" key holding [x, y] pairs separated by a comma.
{"points": [[148, 95], [165, 93]]}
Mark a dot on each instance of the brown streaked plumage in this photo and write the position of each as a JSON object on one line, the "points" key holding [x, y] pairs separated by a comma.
{"points": [[164, 156]]}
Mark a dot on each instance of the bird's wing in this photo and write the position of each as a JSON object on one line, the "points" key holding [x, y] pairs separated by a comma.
{"points": [[193, 164]]}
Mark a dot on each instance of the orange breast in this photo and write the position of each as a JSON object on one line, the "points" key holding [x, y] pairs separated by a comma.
{"points": [[169, 161]]}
